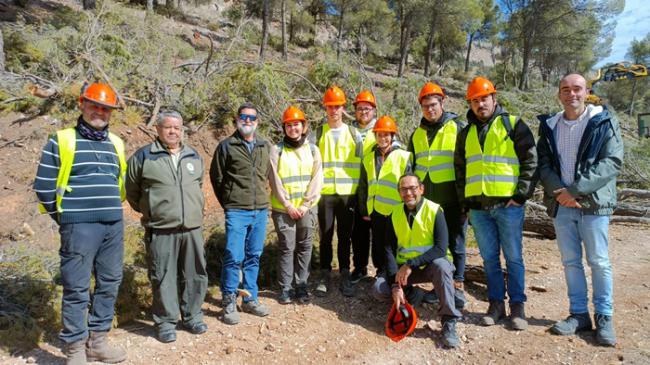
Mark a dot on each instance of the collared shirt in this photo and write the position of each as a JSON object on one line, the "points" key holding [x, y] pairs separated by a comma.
{"points": [[568, 134]]}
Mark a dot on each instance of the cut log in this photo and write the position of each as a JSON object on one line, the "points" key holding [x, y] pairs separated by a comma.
{"points": [[633, 193]]}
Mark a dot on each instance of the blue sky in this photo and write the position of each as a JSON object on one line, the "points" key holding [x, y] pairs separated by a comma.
{"points": [[633, 22]]}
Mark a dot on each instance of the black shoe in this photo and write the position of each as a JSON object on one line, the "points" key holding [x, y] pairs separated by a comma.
{"points": [[357, 276], [195, 329], [430, 297], [285, 297], [302, 295], [414, 295], [346, 286], [167, 336]]}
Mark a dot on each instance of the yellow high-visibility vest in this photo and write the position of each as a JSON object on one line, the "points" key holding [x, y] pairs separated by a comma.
{"points": [[382, 190], [413, 241], [368, 142], [437, 160], [295, 167], [341, 161], [494, 170], [67, 141]]}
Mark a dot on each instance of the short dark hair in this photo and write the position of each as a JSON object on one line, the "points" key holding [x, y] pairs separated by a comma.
{"points": [[246, 105], [409, 174]]}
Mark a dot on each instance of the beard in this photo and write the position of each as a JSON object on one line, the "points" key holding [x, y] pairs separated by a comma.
{"points": [[245, 130]]}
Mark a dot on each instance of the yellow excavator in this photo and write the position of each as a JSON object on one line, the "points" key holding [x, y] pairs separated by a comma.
{"points": [[614, 72]]}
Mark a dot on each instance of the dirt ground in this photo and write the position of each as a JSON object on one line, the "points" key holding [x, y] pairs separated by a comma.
{"points": [[336, 329]]}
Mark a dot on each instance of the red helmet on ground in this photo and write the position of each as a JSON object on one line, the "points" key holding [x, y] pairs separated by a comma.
{"points": [[334, 96], [385, 124], [401, 322], [101, 94], [293, 114], [479, 87], [430, 89], [367, 97]]}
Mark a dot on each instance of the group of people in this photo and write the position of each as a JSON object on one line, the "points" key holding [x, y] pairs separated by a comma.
{"points": [[407, 208]]}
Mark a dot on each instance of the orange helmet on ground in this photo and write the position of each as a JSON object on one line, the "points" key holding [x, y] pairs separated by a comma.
{"points": [[430, 89], [293, 114], [385, 124], [101, 94], [479, 87], [401, 322], [367, 97], [334, 96]]}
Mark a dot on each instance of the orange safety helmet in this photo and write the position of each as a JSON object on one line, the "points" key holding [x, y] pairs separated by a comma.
{"points": [[293, 114], [334, 96], [401, 322], [101, 94], [430, 89], [480, 86], [385, 124], [367, 97]]}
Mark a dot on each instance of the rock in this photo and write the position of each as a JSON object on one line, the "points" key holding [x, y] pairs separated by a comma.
{"points": [[230, 350], [511, 352], [431, 325], [32, 360], [492, 349], [210, 353], [538, 288], [28, 230], [270, 347], [321, 349], [620, 357]]}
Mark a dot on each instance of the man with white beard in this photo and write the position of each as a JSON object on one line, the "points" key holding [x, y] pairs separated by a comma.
{"points": [[238, 173]]}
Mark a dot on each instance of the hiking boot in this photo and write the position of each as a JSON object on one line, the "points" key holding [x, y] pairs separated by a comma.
{"points": [[229, 304], [346, 286], [323, 284], [166, 336], [357, 276], [285, 297], [430, 297], [97, 349], [605, 334], [518, 317], [495, 312], [414, 295], [449, 336], [75, 352], [575, 322], [255, 308], [302, 295], [196, 328], [459, 295]]}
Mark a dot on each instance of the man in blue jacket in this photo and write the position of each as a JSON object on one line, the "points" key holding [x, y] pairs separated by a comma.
{"points": [[580, 154]]}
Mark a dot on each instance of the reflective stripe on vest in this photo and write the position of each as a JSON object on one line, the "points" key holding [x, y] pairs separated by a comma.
{"points": [[418, 239], [67, 142], [341, 162], [382, 190], [436, 159], [493, 171], [295, 169]]}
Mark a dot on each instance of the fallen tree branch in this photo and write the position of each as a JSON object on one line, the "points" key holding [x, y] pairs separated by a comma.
{"points": [[147, 131], [633, 193], [154, 113], [136, 101], [621, 219]]}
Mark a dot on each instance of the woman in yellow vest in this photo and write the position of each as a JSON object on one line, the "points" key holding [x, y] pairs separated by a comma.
{"points": [[296, 180], [377, 192]]}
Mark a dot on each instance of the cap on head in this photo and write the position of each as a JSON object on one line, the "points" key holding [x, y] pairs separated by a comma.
{"points": [[293, 114], [365, 96], [101, 94], [385, 124], [479, 87], [334, 96], [430, 89]]}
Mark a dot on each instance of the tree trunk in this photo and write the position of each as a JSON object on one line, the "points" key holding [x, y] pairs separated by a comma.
{"points": [[469, 50], [523, 81], [265, 28], [149, 6], [2, 52], [404, 40], [89, 4], [630, 110], [339, 36], [169, 4], [284, 30], [430, 45]]}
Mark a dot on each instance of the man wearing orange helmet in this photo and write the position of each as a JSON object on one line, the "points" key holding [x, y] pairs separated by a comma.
{"points": [[496, 162], [341, 149], [80, 184], [296, 179], [377, 193], [432, 145], [365, 109]]}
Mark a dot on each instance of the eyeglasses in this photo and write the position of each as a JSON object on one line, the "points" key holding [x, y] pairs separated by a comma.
{"points": [[429, 106], [244, 117], [364, 110], [409, 189]]}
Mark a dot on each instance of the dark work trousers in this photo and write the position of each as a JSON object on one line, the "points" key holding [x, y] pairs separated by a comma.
{"points": [[380, 225], [361, 243], [341, 208], [295, 243], [88, 248], [457, 228], [176, 261]]}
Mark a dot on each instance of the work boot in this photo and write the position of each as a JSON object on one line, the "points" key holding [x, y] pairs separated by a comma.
{"points": [[414, 295], [495, 312], [605, 334], [430, 297], [255, 308], [459, 295], [449, 336], [97, 349], [358, 275], [302, 295], [323, 283], [518, 317], [285, 297], [575, 322], [75, 352], [346, 286], [229, 304], [166, 336]]}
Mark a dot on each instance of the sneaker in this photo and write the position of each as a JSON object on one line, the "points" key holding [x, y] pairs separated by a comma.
{"points": [[323, 284], [302, 295], [285, 297], [166, 336], [495, 312], [449, 336], [430, 297], [229, 304], [574, 323], [255, 308], [414, 295], [357, 276], [518, 317], [196, 328], [346, 286], [605, 334]]}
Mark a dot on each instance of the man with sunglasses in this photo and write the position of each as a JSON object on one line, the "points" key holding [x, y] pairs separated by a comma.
{"points": [[238, 173]]}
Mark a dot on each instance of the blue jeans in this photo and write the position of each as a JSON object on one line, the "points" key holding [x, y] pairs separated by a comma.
{"points": [[497, 230], [88, 248], [245, 234], [574, 229]]}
